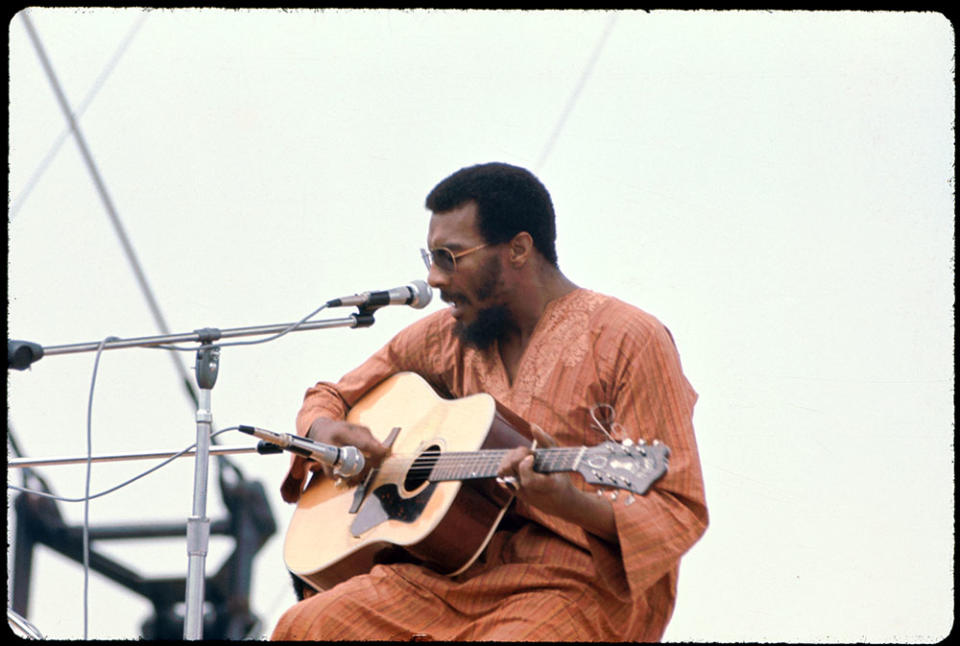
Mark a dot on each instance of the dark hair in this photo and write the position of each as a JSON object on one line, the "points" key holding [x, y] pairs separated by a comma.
{"points": [[509, 200]]}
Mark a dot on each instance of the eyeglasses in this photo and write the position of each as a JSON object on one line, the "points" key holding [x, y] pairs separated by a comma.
{"points": [[444, 258]]}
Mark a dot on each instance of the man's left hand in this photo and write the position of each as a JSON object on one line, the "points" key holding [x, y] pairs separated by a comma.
{"points": [[555, 493], [550, 492]]}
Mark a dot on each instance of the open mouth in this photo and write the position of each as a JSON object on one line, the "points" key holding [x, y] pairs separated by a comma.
{"points": [[457, 304]]}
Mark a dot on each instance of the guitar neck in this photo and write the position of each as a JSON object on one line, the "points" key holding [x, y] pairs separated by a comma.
{"points": [[474, 465]]}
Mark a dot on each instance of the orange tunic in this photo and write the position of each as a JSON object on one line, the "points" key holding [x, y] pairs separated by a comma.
{"points": [[544, 579]]}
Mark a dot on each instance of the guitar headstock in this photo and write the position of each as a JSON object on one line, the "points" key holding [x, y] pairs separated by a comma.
{"points": [[629, 466]]}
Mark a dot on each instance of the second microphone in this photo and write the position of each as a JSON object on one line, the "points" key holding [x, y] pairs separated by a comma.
{"points": [[347, 461]]}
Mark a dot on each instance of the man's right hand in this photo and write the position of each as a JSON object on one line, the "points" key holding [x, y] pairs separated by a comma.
{"points": [[336, 433], [343, 433]]}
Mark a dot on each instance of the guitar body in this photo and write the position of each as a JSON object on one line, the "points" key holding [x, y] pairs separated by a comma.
{"points": [[335, 534]]}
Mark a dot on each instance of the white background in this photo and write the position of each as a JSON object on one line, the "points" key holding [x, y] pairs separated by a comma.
{"points": [[775, 186]]}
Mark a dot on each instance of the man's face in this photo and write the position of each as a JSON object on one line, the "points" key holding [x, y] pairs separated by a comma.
{"points": [[475, 289]]}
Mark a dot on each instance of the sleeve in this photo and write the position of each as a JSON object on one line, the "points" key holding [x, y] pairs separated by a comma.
{"points": [[417, 348], [653, 400]]}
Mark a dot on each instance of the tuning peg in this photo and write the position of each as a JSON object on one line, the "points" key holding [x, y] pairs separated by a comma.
{"points": [[628, 442], [629, 500], [613, 495]]}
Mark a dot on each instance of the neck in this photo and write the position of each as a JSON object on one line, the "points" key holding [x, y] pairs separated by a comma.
{"points": [[531, 300]]}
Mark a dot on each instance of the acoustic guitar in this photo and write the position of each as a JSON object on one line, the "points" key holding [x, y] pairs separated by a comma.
{"points": [[434, 497]]}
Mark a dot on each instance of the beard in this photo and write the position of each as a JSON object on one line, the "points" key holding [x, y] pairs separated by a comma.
{"points": [[491, 322]]}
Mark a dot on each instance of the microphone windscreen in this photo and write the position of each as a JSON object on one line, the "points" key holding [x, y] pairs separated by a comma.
{"points": [[422, 294]]}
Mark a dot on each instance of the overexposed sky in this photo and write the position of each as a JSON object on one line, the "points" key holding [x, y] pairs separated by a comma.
{"points": [[776, 187]]}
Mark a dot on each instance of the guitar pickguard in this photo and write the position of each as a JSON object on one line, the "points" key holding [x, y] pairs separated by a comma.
{"points": [[386, 503]]}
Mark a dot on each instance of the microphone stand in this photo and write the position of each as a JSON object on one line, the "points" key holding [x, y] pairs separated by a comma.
{"points": [[262, 448], [21, 354]]}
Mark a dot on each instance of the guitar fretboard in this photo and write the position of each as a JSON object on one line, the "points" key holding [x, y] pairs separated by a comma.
{"points": [[472, 465]]}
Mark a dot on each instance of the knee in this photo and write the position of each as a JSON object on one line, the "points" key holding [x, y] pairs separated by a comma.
{"points": [[312, 618], [321, 616]]}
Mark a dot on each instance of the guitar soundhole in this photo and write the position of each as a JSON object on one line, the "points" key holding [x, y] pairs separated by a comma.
{"points": [[421, 468]]}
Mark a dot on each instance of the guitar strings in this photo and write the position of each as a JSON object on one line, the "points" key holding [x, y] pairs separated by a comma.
{"points": [[430, 460]]}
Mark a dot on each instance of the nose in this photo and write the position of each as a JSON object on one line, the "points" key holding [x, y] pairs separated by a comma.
{"points": [[437, 278]]}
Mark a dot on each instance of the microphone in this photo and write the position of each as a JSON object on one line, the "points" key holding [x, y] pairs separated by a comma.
{"points": [[416, 294], [346, 460]]}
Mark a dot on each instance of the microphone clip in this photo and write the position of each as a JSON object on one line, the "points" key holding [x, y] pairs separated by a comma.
{"points": [[364, 315]]}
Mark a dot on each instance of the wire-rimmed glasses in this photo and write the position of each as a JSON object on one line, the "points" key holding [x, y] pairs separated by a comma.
{"points": [[444, 258]]}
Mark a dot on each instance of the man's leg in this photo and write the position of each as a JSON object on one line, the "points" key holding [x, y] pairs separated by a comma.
{"points": [[379, 605]]}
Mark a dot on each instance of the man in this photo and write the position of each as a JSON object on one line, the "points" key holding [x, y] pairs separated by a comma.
{"points": [[567, 564]]}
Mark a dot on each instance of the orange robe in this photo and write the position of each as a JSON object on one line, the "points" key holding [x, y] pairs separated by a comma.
{"points": [[545, 579]]}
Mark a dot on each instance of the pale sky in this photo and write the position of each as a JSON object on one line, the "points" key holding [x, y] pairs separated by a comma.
{"points": [[776, 187]]}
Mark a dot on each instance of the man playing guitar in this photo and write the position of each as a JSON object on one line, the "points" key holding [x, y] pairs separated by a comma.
{"points": [[580, 369]]}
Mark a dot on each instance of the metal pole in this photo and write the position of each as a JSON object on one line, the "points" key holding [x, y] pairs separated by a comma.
{"points": [[104, 194], [26, 463], [198, 525], [22, 354], [197, 336]]}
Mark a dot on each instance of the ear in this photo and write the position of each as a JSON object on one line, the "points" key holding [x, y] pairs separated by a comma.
{"points": [[521, 249]]}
